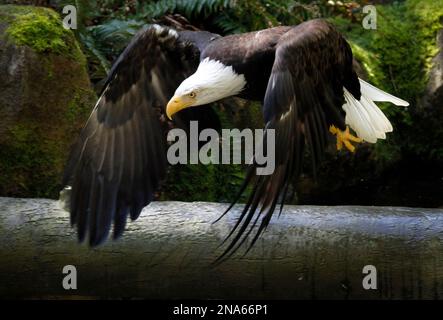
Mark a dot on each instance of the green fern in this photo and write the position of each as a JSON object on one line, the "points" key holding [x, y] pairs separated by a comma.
{"points": [[189, 8], [105, 42]]}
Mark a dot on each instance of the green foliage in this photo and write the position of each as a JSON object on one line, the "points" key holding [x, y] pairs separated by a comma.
{"points": [[266, 14], [398, 58], [244, 16], [104, 42], [156, 9], [218, 183]]}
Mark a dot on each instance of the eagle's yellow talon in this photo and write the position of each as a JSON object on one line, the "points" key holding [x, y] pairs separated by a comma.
{"points": [[344, 138]]}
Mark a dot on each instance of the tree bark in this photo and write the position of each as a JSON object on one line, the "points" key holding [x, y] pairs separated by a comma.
{"points": [[309, 252]]}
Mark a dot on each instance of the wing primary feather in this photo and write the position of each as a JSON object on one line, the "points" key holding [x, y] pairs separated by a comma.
{"points": [[269, 211], [242, 215], [107, 210], [92, 209], [120, 219], [249, 213], [95, 232]]}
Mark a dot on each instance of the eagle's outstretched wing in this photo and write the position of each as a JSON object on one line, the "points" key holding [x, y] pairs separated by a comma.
{"points": [[120, 158], [305, 95]]}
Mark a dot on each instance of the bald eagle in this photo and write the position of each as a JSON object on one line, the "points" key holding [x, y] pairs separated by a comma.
{"points": [[303, 75]]}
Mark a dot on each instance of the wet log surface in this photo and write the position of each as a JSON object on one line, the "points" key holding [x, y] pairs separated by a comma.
{"points": [[309, 252]]}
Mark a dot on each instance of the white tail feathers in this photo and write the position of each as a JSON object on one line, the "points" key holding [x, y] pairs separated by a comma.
{"points": [[363, 115]]}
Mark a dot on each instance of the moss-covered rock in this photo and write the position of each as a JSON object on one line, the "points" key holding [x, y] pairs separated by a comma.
{"points": [[45, 99]]}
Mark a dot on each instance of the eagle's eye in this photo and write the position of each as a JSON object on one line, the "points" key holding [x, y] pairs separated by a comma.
{"points": [[192, 94]]}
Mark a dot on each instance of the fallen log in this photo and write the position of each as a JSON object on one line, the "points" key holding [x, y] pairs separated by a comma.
{"points": [[308, 253]]}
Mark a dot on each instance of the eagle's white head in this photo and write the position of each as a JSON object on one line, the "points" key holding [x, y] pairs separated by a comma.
{"points": [[211, 82]]}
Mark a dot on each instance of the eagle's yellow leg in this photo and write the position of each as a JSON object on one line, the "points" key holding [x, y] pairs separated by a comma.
{"points": [[344, 138]]}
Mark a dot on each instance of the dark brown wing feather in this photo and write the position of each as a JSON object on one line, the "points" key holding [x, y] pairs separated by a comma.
{"points": [[304, 97], [119, 160]]}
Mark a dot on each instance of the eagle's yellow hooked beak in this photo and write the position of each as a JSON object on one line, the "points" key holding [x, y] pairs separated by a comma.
{"points": [[178, 103]]}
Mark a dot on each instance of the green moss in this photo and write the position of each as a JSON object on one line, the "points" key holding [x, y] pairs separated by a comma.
{"points": [[40, 29], [29, 157], [74, 109], [16, 157]]}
